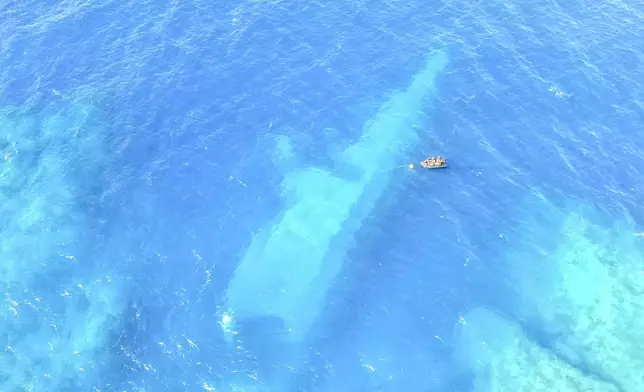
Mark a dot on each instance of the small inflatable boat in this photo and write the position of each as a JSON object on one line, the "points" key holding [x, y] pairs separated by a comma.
{"points": [[434, 163]]}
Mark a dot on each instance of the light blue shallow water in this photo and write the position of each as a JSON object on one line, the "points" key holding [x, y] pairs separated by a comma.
{"points": [[209, 196]]}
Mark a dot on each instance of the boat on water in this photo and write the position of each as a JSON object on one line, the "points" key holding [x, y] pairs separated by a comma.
{"points": [[434, 163]]}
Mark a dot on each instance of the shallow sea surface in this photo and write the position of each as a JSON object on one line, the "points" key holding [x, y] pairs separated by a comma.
{"points": [[146, 145]]}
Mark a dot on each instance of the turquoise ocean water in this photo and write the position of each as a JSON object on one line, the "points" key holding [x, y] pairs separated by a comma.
{"points": [[199, 196]]}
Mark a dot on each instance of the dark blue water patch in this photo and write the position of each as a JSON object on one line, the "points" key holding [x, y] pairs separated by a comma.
{"points": [[195, 87], [158, 337], [552, 140]]}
